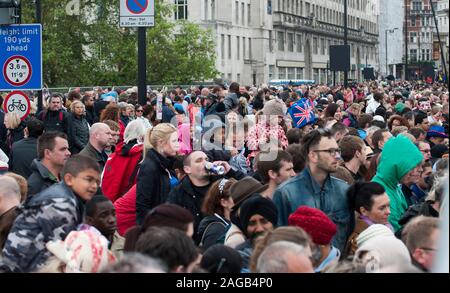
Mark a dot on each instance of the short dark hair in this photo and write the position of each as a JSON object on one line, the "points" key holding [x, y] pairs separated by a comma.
{"points": [[234, 87], [35, 127], [417, 132], [312, 139], [297, 159], [92, 204], [47, 141], [378, 97], [294, 135], [419, 117], [349, 145], [363, 120], [265, 166], [170, 245], [338, 127], [79, 163], [352, 131], [378, 136], [361, 194]]}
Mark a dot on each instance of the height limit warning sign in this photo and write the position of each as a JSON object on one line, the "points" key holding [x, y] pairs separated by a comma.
{"points": [[21, 57], [137, 13]]}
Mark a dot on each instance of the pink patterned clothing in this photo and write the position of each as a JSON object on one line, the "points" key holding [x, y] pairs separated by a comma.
{"points": [[263, 133]]}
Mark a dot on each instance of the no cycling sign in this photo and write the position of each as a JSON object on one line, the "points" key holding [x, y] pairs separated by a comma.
{"points": [[21, 57]]}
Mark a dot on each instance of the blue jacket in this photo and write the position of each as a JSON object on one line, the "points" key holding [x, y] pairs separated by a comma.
{"points": [[302, 190]]}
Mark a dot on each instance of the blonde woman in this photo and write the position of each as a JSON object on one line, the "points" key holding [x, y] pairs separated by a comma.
{"points": [[14, 128], [156, 176], [80, 127]]}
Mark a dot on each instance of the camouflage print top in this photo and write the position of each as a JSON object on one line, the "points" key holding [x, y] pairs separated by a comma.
{"points": [[49, 215]]}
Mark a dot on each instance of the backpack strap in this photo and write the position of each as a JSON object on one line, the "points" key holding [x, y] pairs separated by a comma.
{"points": [[204, 233]]}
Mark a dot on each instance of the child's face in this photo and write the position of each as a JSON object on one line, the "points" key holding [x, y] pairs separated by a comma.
{"points": [[85, 184]]}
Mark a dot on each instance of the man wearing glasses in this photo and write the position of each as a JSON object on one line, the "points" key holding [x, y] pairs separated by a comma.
{"points": [[425, 149], [314, 187]]}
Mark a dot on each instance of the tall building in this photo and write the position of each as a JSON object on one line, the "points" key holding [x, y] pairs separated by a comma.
{"points": [[420, 26], [391, 37], [260, 40], [442, 15]]}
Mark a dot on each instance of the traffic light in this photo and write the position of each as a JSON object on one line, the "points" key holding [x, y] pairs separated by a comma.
{"points": [[9, 3]]}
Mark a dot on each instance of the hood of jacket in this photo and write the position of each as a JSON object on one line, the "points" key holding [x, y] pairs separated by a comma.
{"points": [[399, 156]]}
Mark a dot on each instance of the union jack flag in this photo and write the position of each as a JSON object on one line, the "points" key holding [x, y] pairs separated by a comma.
{"points": [[302, 113]]}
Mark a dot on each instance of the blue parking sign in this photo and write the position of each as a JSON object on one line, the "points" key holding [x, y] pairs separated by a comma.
{"points": [[21, 57]]}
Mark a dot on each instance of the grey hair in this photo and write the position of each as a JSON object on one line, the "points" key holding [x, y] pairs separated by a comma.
{"points": [[135, 130], [273, 259], [9, 188], [371, 130], [134, 262]]}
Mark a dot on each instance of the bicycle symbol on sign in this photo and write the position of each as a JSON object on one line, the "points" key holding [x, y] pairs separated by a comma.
{"points": [[17, 105]]}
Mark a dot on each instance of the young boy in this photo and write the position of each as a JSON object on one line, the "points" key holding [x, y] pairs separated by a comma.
{"points": [[50, 215]]}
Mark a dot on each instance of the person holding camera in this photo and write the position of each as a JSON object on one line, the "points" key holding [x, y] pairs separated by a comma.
{"points": [[200, 175]]}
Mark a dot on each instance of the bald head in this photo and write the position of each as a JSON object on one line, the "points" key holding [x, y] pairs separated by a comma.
{"points": [[9, 193], [100, 136]]}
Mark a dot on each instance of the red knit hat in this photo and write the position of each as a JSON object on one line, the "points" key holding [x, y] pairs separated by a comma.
{"points": [[315, 222]]}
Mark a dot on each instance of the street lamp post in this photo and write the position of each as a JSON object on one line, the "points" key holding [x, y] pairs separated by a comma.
{"points": [[386, 45]]}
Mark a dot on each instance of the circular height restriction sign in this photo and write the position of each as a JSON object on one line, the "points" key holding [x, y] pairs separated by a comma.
{"points": [[137, 6], [17, 102], [17, 70]]}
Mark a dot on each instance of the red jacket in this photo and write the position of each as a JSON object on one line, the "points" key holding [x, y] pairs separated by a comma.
{"points": [[126, 211], [120, 170]]}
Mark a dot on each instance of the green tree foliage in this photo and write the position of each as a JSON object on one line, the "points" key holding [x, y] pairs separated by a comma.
{"points": [[87, 47]]}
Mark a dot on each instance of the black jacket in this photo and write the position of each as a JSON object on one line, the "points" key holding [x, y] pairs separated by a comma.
{"points": [[14, 135], [91, 117], [184, 195], [419, 209], [55, 121], [22, 155], [211, 230], [40, 179], [80, 133], [153, 183], [3, 131]]}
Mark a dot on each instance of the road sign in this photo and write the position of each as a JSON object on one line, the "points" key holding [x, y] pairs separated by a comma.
{"points": [[137, 13], [17, 102], [21, 57]]}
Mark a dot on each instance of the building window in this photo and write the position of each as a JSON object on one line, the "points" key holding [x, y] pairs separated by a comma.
{"points": [[250, 48], [281, 72], [229, 47], [316, 74], [291, 73], [299, 73], [428, 55], [269, 6], [222, 46], [412, 37], [230, 76], [315, 47], [181, 11], [242, 13], [413, 54], [244, 47], [299, 43], [280, 41], [417, 5], [413, 20], [237, 12], [290, 42], [238, 46], [213, 9], [238, 78], [423, 55], [271, 72], [322, 46], [270, 41]]}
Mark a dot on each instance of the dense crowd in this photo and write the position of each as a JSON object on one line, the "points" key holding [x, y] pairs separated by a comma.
{"points": [[227, 179]]}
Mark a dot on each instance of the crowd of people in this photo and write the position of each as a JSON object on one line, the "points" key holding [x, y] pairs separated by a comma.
{"points": [[227, 179]]}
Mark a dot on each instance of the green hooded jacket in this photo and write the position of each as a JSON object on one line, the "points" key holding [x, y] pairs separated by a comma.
{"points": [[399, 156]]}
